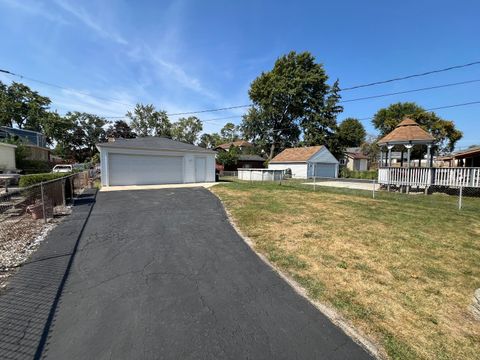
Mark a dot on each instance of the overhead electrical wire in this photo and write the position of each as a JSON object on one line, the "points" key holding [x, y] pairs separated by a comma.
{"points": [[411, 76], [244, 106]]}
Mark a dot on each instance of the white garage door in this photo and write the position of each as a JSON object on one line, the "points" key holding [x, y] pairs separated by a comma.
{"points": [[325, 170], [126, 169]]}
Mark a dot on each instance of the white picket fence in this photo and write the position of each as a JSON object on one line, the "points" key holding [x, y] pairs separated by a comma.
{"points": [[423, 177]]}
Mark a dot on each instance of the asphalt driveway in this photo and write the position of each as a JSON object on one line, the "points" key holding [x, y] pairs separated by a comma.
{"points": [[162, 274]]}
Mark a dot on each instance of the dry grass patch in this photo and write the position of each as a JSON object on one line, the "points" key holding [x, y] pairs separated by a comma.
{"points": [[404, 275]]}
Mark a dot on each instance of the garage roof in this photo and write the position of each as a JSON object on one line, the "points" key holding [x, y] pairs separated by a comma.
{"points": [[153, 143], [301, 154]]}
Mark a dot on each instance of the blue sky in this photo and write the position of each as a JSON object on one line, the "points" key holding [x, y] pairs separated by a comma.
{"points": [[192, 55]]}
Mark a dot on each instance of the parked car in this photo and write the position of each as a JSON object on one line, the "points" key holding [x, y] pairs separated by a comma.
{"points": [[64, 168]]}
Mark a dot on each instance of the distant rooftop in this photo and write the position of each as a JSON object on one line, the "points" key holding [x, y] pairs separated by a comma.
{"points": [[238, 143], [153, 143], [34, 138]]}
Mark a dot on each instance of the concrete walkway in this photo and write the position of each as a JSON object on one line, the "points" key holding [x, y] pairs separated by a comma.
{"points": [[157, 187], [161, 274], [347, 184]]}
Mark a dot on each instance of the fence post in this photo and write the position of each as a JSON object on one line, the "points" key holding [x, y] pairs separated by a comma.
{"points": [[72, 190], [262, 174], [314, 177], [64, 201], [43, 203], [373, 191], [460, 197]]}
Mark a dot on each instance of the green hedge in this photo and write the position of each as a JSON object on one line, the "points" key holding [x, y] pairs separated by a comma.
{"points": [[370, 174], [28, 180], [35, 166]]}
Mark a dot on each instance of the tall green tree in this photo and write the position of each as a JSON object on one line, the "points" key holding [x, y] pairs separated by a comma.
{"points": [[187, 129], [22, 107], [147, 121], [293, 97], [230, 132], [351, 133], [85, 132], [120, 129], [210, 141], [444, 131]]}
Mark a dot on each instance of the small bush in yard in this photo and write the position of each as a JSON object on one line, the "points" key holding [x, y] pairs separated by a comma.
{"points": [[347, 173], [28, 180]]}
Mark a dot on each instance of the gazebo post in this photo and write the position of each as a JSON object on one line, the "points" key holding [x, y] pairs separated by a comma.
{"points": [[409, 149], [389, 147]]}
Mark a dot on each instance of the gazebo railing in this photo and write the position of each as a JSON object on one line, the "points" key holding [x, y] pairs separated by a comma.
{"points": [[423, 177]]}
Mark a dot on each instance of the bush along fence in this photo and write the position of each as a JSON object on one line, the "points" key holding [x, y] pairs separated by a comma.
{"points": [[25, 212]]}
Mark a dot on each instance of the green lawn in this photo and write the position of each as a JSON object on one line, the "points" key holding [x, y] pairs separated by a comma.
{"points": [[402, 269]]}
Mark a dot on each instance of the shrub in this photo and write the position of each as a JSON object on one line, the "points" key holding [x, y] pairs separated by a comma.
{"points": [[35, 166], [370, 174], [28, 180]]}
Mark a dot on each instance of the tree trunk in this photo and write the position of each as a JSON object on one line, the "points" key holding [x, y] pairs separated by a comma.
{"points": [[272, 151]]}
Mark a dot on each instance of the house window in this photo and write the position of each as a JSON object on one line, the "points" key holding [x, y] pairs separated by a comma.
{"points": [[343, 161]]}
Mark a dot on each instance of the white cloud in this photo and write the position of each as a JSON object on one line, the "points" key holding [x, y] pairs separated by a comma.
{"points": [[83, 16]]}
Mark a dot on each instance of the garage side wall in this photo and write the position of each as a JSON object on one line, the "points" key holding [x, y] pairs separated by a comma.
{"points": [[299, 170], [191, 172]]}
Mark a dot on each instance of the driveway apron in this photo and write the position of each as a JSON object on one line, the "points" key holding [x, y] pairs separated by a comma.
{"points": [[161, 274]]}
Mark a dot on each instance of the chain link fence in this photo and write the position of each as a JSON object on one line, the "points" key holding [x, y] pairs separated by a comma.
{"points": [[453, 198], [26, 213]]}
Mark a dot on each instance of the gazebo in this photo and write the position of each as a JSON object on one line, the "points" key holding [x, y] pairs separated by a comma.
{"points": [[409, 134]]}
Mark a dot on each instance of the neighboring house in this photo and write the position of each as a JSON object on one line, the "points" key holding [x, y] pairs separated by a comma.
{"points": [[7, 157], [306, 162], [464, 158], [250, 161], [244, 160], [355, 159], [240, 144], [36, 142], [154, 160]]}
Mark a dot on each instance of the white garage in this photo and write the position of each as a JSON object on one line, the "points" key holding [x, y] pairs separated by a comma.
{"points": [[154, 160], [306, 162]]}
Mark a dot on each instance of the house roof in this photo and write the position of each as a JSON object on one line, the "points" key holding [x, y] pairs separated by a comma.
{"points": [[238, 143], [153, 143], [405, 132], [300, 154], [250, 158], [467, 153], [356, 155]]}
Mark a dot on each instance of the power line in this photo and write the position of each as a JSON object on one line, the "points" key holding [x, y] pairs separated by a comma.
{"points": [[211, 110], [410, 91], [245, 106], [436, 108], [411, 76], [65, 88]]}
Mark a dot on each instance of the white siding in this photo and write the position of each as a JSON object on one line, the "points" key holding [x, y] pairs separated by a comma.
{"points": [[7, 157], [299, 170], [149, 172], [323, 156]]}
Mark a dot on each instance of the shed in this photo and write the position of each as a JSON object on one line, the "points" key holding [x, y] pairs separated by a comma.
{"points": [[154, 160], [305, 162]]}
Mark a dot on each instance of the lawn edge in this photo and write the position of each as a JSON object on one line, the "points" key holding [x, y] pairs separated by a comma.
{"points": [[333, 315]]}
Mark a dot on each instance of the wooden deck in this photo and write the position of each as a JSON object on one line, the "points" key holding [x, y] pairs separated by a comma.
{"points": [[425, 177]]}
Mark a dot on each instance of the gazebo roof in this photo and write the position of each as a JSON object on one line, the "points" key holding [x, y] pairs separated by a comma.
{"points": [[407, 132]]}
